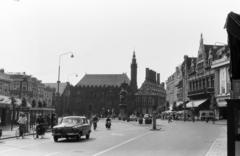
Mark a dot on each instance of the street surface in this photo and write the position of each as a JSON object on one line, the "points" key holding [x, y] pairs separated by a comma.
{"points": [[124, 138]]}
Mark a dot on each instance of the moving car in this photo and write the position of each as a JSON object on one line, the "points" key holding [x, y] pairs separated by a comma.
{"points": [[133, 117], [72, 127]]}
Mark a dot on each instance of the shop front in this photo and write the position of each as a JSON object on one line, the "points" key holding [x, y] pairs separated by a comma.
{"points": [[43, 111], [221, 110]]}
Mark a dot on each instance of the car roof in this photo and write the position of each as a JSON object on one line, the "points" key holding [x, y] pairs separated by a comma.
{"points": [[74, 117]]}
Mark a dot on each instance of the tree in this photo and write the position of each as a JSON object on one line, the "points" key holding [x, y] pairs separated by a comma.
{"points": [[174, 108], [39, 104], [33, 103], [13, 101], [24, 103], [44, 104], [167, 105]]}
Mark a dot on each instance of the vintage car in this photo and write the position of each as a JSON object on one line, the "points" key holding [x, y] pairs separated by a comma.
{"points": [[72, 127], [133, 118]]}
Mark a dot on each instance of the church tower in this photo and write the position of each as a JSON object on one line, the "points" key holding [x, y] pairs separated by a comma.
{"points": [[133, 83]]}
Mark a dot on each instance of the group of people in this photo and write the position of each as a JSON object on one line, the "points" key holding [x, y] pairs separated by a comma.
{"points": [[95, 119], [40, 122]]}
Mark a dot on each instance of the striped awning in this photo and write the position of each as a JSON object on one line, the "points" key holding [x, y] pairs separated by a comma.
{"points": [[195, 103]]}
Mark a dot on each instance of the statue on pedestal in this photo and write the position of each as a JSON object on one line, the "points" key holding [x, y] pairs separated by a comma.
{"points": [[123, 94]]}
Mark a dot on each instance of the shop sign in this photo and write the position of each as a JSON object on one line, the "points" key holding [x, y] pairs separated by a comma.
{"points": [[25, 109]]}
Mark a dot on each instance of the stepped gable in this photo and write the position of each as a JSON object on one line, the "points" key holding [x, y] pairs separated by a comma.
{"points": [[213, 50], [103, 79], [149, 88], [62, 86]]}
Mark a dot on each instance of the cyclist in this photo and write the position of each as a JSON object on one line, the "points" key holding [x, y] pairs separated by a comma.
{"points": [[39, 123], [22, 122]]}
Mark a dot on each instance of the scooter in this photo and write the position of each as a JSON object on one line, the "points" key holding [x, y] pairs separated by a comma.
{"points": [[108, 124]]}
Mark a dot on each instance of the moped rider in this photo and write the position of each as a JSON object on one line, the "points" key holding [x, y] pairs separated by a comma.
{"points": [[108, 120]]}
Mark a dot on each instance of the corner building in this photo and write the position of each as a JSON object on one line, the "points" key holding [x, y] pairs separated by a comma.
{"points": [[201, 77], [151, 94]]}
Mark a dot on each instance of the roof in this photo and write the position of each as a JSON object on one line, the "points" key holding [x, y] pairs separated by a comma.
{"points": [[103, 79], [148, 88], [62, 86]]}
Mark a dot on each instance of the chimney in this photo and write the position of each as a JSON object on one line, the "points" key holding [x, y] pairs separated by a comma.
{"points": [[147, 74], [155, 77], [158, 78], [150, 75], [163, 85], [2, 70]]}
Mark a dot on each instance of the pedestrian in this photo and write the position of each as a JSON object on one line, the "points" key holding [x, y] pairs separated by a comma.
{"points": [[169, 118], [22, 123]]}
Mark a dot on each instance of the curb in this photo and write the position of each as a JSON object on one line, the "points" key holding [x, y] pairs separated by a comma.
{"points": [[209, 152], [26, 134]]}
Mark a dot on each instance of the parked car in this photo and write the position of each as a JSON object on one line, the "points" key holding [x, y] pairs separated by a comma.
{"points": [[72, 127], [0, 132], [133, 117], [146, 116]]}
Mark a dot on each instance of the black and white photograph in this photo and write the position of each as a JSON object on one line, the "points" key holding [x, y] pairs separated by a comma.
{"points": [[120, 78]]}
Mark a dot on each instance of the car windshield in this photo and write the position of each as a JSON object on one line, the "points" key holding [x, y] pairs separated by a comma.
{"points": [[71, 120]]}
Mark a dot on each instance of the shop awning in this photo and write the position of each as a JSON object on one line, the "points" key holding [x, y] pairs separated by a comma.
{"points": [[6, 101], [222, 103], [195, 103]]}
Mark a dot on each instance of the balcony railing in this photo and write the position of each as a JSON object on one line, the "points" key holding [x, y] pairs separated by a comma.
{"points": [[196, 91], [207, 65], [208, 90]]}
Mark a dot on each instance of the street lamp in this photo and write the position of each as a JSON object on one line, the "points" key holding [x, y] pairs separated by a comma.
{"points": [[59, 71], [215, 45], [72, 74]]}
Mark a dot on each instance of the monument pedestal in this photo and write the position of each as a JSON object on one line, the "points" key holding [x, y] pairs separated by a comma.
{"points": [[123, 111]]}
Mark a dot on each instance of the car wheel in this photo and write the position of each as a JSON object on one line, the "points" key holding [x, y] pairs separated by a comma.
{"points": [[67, 138], [87, 136], [78, 137], [55, 138]]}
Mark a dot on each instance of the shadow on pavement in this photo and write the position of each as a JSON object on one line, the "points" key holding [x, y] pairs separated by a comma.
{"points": [[75, 141]]}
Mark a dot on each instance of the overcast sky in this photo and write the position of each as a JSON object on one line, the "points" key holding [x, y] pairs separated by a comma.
{"points": [[102, 34]]}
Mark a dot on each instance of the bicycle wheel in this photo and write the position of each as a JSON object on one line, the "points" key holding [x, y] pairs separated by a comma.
{"points": [[43, 132], [34, 133], [23, 132], [17, 133]]}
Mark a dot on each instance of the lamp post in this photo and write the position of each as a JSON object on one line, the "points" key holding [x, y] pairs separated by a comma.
{"points": [[72, 74], [59, 71], [215, 45]]}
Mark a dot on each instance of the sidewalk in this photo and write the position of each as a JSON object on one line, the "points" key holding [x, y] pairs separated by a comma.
{"points": [[219, 147], [7, 133]]}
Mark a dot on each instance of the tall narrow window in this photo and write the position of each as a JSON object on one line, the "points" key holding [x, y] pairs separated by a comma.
{"points": [[17, 85]]}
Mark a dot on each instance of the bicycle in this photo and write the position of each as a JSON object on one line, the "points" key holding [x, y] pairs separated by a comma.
{"points": [[36, 131], [18, 131]]}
